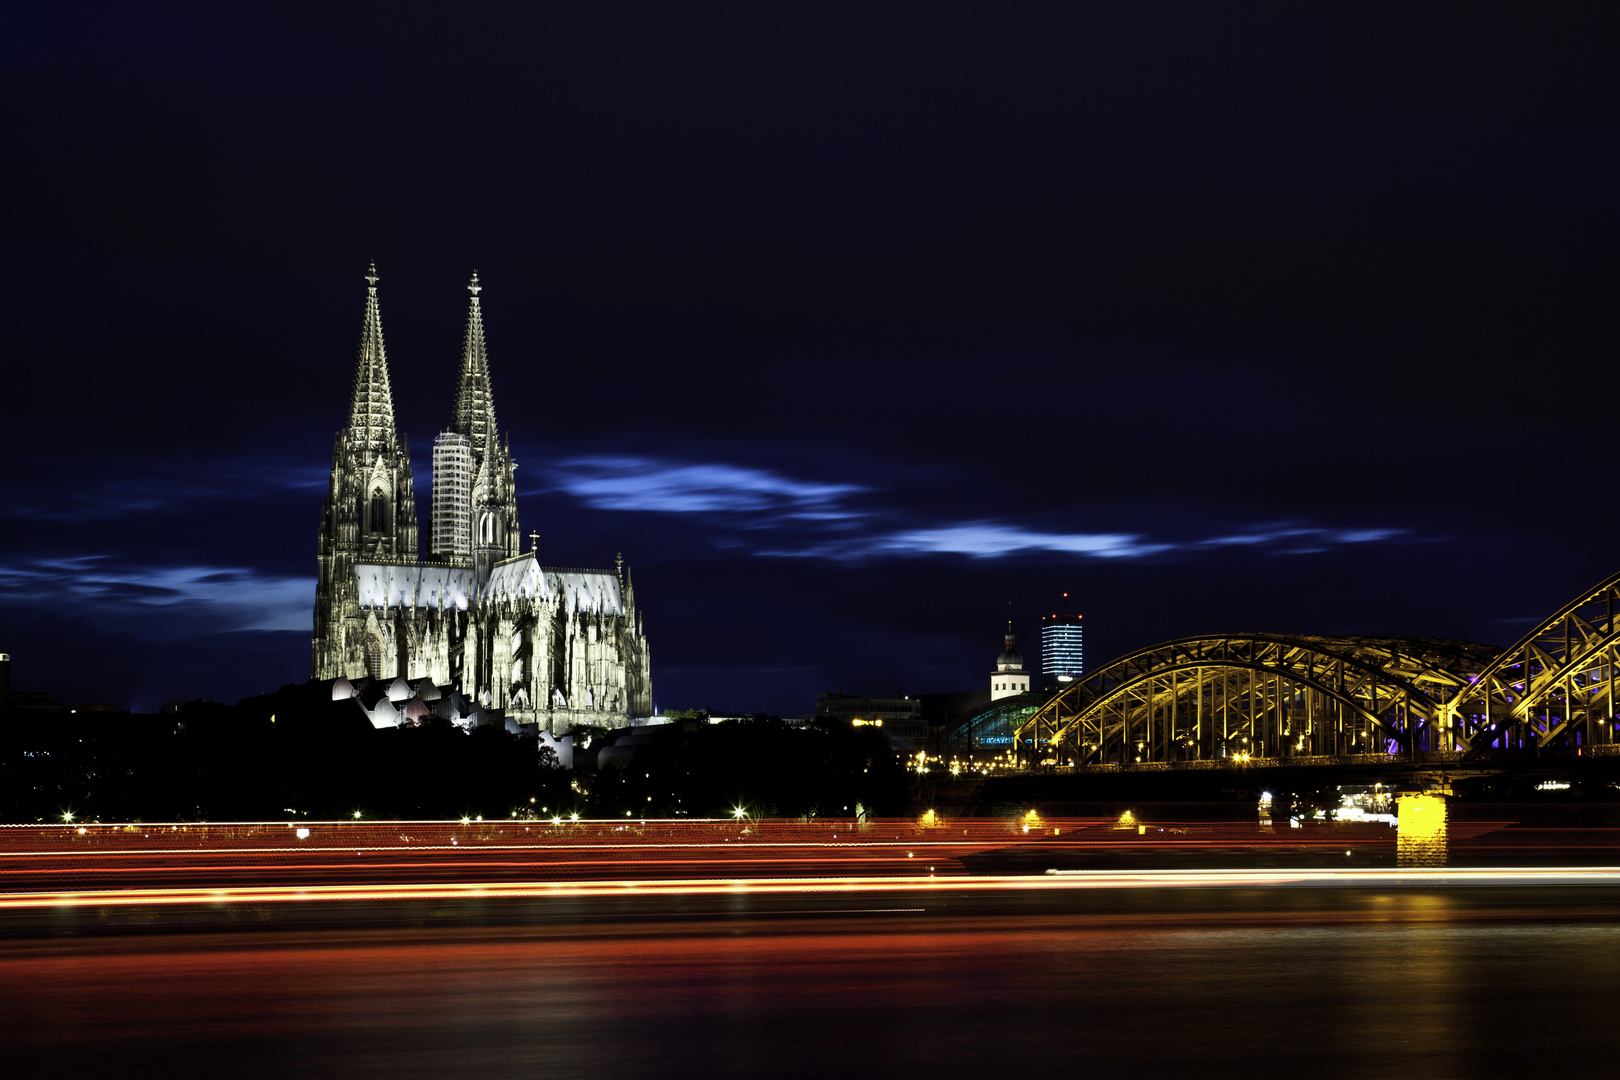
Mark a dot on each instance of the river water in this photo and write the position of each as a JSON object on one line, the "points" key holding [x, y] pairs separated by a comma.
{"points": [[892, 993]]}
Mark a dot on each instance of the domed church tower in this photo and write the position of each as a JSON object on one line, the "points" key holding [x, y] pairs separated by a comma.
{"points": [[1009, 678]]}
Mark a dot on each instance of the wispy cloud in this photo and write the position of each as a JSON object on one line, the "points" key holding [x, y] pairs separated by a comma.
{"points": [[846, 521], [165, 485], [230, 598], [1298, 540], [990, 540], [631, 483]]}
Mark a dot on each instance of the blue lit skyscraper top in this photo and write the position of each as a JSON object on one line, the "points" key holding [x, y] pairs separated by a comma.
{"points": [[1062, 652]]}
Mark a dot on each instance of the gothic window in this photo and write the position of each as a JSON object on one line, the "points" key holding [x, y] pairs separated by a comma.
{"points": [[486, 529], [374, 657], [379, 513]]}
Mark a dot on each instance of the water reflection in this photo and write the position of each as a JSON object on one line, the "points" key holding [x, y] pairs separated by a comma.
{"points": [[862, 995]]}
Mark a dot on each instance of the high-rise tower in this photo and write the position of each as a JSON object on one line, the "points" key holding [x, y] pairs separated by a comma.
{"points": [[369, 514], [1062, 652]]}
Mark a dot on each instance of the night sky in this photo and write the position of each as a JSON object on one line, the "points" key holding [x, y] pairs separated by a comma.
{"points": [[858, 329]]}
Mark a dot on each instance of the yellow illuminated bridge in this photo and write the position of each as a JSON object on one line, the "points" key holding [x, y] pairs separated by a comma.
{"points": [[1242, 697]]}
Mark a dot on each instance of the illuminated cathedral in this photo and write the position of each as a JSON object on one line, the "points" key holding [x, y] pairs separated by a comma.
{"points": [[478, 620]]}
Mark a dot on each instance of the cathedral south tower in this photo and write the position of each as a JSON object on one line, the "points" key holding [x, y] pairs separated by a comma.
{"points": [[474, 490]]}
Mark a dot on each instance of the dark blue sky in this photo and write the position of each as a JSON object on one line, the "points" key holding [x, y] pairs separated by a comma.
{"points": [[855, 328]]}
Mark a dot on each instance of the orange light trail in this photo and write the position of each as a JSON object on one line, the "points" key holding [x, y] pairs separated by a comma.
{"points": [[248, 862], [375, 853], [1051, 881]]}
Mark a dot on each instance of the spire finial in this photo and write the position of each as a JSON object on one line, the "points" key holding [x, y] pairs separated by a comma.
{"points": [[371, 409], [474, 414], [618, 562], [534, 543]]}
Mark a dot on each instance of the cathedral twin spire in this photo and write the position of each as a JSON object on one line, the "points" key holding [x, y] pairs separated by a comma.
{"points": [[371, 408], [474, 497], [475, 403]]}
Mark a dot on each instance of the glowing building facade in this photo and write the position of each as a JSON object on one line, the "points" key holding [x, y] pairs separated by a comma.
{"points": [[1062, 648], [547, 645]]}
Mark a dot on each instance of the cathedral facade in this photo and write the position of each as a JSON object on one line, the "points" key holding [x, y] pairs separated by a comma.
{"points": [[540, 644]]}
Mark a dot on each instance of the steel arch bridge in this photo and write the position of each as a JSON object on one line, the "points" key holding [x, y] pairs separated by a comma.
{"points": [[1240, 697], [1554, 687]]}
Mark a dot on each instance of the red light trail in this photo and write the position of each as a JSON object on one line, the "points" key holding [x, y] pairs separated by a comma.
{"points": [[276, 862]]}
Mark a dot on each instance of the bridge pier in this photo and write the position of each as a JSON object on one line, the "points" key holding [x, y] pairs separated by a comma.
{"points": [[1420, 829]]}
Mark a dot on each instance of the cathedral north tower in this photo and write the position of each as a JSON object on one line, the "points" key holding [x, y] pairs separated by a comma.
{"points": [[369, 514]]}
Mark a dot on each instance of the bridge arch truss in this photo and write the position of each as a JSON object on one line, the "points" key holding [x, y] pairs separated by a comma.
{"points": [[1553, 688], [1255, 695]]}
